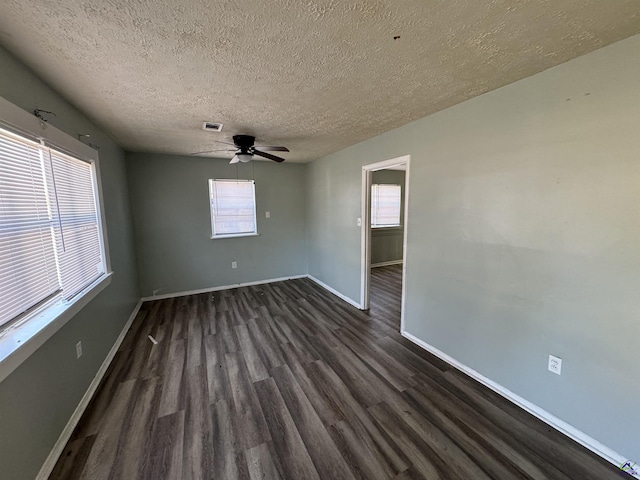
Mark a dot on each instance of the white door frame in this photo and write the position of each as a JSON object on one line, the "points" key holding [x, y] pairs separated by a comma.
{"points": [[365, 260]]}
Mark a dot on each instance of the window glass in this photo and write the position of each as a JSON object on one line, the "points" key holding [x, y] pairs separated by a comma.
{"points": [[385, 205], [233, 207], [50, 237]]}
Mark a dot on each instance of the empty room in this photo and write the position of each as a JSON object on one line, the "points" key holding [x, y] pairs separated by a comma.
{"points": [[319, 240]]}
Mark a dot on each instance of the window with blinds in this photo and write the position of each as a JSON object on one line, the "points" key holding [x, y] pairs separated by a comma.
{"points": [[233, 207], [385, 205], [50, 239]]}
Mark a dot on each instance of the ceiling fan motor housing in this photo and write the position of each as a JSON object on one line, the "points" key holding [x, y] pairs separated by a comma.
{"points": [[246, 149], [244, 142]]}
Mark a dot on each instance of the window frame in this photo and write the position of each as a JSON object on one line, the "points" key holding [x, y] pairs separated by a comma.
{"points": [[21, 337], [387, 226], [214, 236]]}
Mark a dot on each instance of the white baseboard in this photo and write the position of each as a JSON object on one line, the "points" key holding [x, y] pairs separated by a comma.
{"points": [[55, 453], [563, 427], [247, 284], [222, 287], [386, 264], [335, 292]]}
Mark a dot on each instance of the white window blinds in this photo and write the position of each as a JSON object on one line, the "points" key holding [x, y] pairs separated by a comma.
{"points": [[233, 207], [50, 240], [28, 268], [385, 205], [77, 233]]}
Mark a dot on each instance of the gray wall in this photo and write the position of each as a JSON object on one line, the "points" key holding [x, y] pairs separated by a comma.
{"points": [[38, 398], [523, 236], [170, 202], [386, 243]]}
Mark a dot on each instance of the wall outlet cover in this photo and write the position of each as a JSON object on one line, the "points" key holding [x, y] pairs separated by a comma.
{"points": [[555, 365]]}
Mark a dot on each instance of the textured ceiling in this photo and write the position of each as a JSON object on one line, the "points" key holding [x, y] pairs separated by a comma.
{"points": [[314, 75]]}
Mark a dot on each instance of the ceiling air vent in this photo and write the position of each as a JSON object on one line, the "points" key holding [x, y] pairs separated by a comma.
{"points": [[212, 127]]}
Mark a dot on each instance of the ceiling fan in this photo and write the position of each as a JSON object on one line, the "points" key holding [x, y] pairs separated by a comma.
{"points": [[245, 149]]}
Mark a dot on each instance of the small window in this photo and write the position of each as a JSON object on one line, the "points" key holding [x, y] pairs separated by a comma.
{"points": [[233, 208], [385, 205]]}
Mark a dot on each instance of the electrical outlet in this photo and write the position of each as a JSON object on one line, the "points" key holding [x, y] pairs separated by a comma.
{"points": [[359, 222], [79, 349], [234, 264], [555, 365], [267, 214]]}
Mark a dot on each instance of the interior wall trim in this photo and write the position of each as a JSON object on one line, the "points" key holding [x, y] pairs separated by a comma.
{"points": [[222, 287], [563, 427], [335, 292], [56, 451]]}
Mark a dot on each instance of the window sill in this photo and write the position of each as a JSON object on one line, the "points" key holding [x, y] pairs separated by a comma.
{"points": [[18, 342], [236, 235]]}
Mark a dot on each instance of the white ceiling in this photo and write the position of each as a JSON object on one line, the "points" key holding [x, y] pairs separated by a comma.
{"points": [[314, 75]]}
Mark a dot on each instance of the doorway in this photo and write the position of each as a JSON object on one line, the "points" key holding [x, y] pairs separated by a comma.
{"points": [[385, 227]]}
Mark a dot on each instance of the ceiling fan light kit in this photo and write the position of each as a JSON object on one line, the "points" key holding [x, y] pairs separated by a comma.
{"points": [[244, 157]]}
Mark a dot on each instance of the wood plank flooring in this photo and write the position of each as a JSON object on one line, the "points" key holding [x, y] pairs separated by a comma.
{"points": [[286, 381]]}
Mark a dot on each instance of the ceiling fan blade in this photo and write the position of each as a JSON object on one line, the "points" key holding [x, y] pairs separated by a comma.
{"points": [[211, 151], [226, 143], [268, 155], [272, 148]]}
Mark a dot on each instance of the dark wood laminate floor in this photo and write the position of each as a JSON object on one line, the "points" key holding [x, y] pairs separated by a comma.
{"points": [[286, 381]]}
